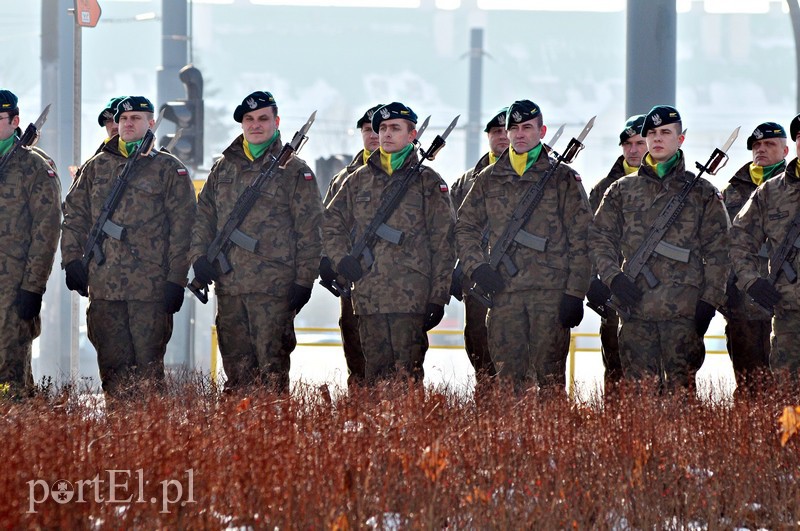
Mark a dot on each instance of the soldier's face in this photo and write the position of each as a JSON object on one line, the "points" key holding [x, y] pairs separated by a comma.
{"points": [[8, 125], [769, 151], [134, 124], [370, 137], [663, 142], [395, 134], [633, 150], [526, 136], [258, 126], [498, 140], [111, 127]]}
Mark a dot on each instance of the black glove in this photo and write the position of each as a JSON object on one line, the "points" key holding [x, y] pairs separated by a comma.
{"points": [[456, 287], [326, 272], [29, 304], [433, 315], [204, 271], [703, 313], [488, 279], [625, 290], [764, 293], [570, 311], [598, 292], [350, 268], [173, 297], [298, 297], [77, 277], [732, 293]]}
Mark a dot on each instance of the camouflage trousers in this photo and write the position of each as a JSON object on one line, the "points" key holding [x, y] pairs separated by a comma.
{"points": [[528, 344], [256, 338], [393, 343], [351, 342], [669, 351], [16, 337], [784, 359], [609, 349], [131, 339], [476, 339], [748, 347]]}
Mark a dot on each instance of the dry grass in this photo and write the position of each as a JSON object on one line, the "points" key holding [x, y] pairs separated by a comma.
{"points": [[400, 458]]}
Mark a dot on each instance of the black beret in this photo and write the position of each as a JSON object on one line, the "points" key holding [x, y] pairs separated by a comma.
{"points": [[133, 104], [766, 130], [632, 127], [259, 99], [8, 101], [392, 111], [658, 116], [498, 120], [109, 111], [521, 111], [367, 118], [794, 127]]}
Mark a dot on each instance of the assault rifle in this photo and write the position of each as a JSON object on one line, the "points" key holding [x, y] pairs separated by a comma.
{"points": [[230, 233], [514, 233], [653, 241], [343, 290], [378, 228], [28, 138], [104, 227], [781, 259]]}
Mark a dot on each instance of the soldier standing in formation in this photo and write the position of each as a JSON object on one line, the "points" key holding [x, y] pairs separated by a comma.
{"points": [[30, 216], [476, 340], [106, 120], [348, 322], [633, 149], [265, 288], [532, 311], [767, 218], [136, 289], [663, 338], [748, 328], [403, 294]]}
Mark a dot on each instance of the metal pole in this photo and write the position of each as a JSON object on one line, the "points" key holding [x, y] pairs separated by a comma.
{"points": [[74, 298], [794, 13], [475, 84], [174, 51], [650, 55]]}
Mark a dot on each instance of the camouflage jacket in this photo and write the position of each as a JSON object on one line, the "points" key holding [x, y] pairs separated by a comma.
{"points": [[735, 195], [766, 218], [627, 213], [462, 185], [157, 211], [562, 218], [336, 181], [405, 277], [30, 217], [596, 194], [285, 221]]}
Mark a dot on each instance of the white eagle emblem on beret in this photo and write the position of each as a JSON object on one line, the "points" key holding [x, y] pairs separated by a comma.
{"points": [[251, 103], [757, 134], [630, 132], [126, 106], [656, 120], [370, 114], [385, 113], [501, 119], [516, 116]]}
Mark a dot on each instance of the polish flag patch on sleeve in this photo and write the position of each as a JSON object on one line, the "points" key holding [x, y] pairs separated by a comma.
{"points": [[51, 173], [577, 176], [307, 175], [443, 188], [183, 171]]}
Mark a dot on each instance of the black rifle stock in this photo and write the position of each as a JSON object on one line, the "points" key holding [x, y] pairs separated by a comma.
{"points": [[29, 138], [230, 233], [637, 265]]}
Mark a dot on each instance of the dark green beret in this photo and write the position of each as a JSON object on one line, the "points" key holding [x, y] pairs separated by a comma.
{"points": [[632, 127], [109, 111], [498, 120], [133, 104], [521, 111], [766, 130], [392, 111], [367, 118], [8, 101], [794, 127], [259, 99], [658, 116]]}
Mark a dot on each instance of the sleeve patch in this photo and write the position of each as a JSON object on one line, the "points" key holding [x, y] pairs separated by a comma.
{"points": [[183, 171], [577, 176], [51, 173], [443, 188], [721, 198], [307, 175]]}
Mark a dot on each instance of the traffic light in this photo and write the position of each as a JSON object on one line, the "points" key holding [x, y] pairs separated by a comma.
{"points": [[187, 114]]}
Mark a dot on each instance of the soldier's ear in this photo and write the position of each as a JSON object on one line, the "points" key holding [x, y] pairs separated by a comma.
{"points": [[15, 121]]}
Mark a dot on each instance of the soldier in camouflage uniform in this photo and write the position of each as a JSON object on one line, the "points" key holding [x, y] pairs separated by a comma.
{"points": [[663, 338], [135, 291], [766, 218], [476, 339], [532, 311], [633, 149], [348, 322], [402, 295], [257, 299], [748, 327], [106, 120], [30, 216]]}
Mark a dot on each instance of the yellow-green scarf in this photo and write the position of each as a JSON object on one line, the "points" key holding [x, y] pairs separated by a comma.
{"points": [[392, 161], [492, 158], [253, 151], [127, 148], [759, 174], [662, 168], [365, 156], [627, 168], [522, 161], [5, 145]]}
